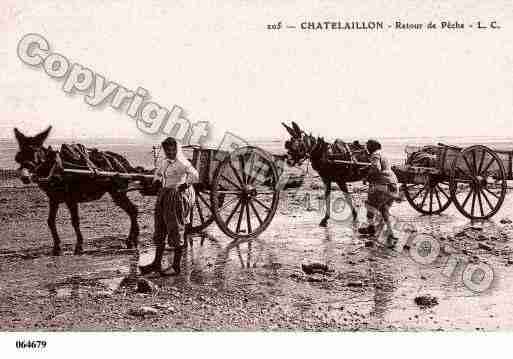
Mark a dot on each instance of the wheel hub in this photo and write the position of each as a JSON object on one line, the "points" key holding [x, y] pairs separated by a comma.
{"points": [[480, 181], [249, 191]]}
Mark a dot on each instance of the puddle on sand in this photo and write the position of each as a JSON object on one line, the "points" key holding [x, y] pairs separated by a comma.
{"points": [[79, 289], [112, 284]]}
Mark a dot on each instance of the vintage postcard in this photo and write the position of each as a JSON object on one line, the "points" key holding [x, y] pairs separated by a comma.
{"points": [[237, 166]]}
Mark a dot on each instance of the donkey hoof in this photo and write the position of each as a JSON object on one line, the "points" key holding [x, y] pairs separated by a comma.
{"points": [[78, 251], [324, 223], [56, 252]]}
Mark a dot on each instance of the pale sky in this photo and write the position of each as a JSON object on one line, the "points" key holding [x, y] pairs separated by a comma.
{"points": [[217, 61]]}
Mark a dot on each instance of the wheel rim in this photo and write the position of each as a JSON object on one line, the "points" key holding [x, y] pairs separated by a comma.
{"points": [[247, 178], [201, 215], [431, 197], [478, 182]]}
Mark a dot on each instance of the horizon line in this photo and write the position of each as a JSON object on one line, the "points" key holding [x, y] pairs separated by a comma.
{"points": [[266, 137]]}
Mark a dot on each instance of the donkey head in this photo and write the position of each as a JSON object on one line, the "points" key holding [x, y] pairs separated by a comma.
{"points": [[31, 154], [298, 146]]}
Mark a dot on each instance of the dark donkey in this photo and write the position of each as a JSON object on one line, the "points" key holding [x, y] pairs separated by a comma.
{"points": [[302, 146], [37, 161]]}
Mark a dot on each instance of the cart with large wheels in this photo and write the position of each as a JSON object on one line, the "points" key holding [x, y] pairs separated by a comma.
{"points": [[473, 178], [238, 190]]}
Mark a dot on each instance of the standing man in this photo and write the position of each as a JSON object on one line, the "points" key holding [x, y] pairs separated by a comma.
{"points": [[174, 203], [383, 190]]}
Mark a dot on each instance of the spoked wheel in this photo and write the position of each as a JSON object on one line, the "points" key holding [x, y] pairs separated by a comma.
{"points": [[430, 196], [478, 182], [201, 214], [247, 180]]}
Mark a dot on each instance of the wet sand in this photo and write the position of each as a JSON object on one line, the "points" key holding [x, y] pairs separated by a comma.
{"points": [[250, 285]]}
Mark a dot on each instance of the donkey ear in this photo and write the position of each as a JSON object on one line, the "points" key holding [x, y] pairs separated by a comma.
{"points": [[296, 129], [289, 130], [43, 135], [20, 137]]}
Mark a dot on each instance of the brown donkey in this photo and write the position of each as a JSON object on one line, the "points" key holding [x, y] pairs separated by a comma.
{"points": [[37, 161], [302, 146]]}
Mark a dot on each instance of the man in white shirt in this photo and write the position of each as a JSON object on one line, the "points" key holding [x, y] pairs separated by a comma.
{"points": [[174, 203]]}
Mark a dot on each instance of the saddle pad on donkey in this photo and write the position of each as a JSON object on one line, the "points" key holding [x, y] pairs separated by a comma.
{"points": [[78, 156], [340, 149]]}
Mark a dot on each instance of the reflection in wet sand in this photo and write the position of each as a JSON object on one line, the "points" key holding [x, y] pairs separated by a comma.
{"points": [[382, 278]]}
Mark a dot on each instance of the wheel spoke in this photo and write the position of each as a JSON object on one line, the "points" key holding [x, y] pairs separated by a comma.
{"points": [[242, 168], [466, 199], [488, 165], [231, 182], [481, 161], [256, 212], [251, 166], [487, 200], [493, 194], [474, 162], [235, 173], [463, 172], [468, 164], [473, 204], [443, 192], [240, 217], [233, 212], [198, 194], [424, 198], [260, 203], [480, 202], [438, 200], [254, 178]]}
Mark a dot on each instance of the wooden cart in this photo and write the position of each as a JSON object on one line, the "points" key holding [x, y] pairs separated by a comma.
{"points": [[473, 178], [238, 190]]}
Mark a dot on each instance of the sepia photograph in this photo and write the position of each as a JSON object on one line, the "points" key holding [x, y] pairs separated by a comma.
{"points": [[332, 168]]}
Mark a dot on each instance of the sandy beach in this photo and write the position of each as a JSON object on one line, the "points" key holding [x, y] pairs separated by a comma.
{"points": [[251, 285]]}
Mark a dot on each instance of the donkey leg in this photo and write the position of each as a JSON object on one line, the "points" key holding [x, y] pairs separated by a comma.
{"points": [[349, 200], [122, 201], [327, 192], [52, 215], [75, 222]]}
